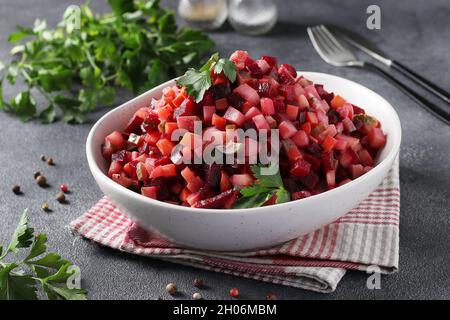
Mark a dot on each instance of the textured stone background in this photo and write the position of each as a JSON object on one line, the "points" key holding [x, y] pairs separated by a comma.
{"points": [[414, 32]]}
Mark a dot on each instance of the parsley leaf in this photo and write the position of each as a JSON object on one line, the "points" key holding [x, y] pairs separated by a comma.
{"points": [[264, 189], [51, 272], [136, 46], [22, 236], [198, 81]]}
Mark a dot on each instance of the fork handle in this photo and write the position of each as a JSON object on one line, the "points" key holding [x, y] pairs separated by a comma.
{"points": [[438, 111], [428, 85]]}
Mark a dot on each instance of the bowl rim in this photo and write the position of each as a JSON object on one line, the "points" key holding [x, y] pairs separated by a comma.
{"points": [[99, 174]]}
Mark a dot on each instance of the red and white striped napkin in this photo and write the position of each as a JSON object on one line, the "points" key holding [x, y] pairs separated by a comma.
{"points": [[368, 236]]}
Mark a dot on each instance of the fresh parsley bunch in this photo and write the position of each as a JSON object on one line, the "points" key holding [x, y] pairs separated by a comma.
{"points": [[136, 46], [265, 188], [21, 280]]}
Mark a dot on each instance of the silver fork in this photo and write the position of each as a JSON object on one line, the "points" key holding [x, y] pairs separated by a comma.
{"points": [[335, 53]]}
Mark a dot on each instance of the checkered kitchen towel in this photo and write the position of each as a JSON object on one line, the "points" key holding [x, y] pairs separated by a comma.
{"points": [[367, 236]]}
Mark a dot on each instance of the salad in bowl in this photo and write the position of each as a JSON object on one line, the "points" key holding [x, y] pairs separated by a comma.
{"points": [[242, 133]]}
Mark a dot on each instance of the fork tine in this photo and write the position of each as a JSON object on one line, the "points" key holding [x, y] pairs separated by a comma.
{"points": [[317, 44], [325, 41], [332, 38]]}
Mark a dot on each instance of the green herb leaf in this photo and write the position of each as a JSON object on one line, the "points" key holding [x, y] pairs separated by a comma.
{"points": [[24, 106], [265, 188], [39, 246], [57, 277], [197, 82], [227, 67], [256, 200], [22, 236], [16, 286], [48, 115], [51, 260], [136, 46]]}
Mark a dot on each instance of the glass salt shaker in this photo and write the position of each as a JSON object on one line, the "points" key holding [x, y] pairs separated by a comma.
{"points": [[203, 14], [253, 17]]}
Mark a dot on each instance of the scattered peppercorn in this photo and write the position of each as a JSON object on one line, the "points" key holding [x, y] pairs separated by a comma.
{"points": [[64, 187], [16, 189], [43, 158], [197, 296], [45, 206], [234, 293], [198, 283], [36, 174], [60, 197], [50, 161], [41, 181], [171, 288], [271, 296]]}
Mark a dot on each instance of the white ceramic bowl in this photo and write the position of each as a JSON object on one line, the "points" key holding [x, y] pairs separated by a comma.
{"points": [[244, 229]]}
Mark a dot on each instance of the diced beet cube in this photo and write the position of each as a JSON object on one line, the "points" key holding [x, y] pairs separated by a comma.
{"points": [[234, 116], [208, 112], [235, 100], [254, 69], [357, 110], [186, 108], [115, 168], [365, 157], [272, 61], [331, 178], [315, 149], [248, 93], [323, 93], [301, 139], [263, 66], [116, 139], [328, 160], [301, 168], [356, 170], [285, 73], [119, 156], [220, 91], [187, 122], [134, 125], [208, 99], [292, 112], [222, 104], [279, 103], [310, 181], [267, 106], [213, 174], [260, 122], [252, 112], [348, 125], [315, 162], [215, 202], [377, 139], [239, 57], [264, 88], [301, 195], [287, 129]]}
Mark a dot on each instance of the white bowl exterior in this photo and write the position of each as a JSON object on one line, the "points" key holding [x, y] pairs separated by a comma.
{"points": [[245, 229]]}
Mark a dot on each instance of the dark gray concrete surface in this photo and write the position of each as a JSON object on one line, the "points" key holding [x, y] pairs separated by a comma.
{"points": [[415, 32]]}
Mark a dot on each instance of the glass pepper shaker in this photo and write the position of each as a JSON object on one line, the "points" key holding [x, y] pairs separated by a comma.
{"points": [[203, 14], [253, 17]]}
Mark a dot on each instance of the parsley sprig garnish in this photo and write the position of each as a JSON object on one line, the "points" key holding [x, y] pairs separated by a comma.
{"points": [[265, 188], [198, 81], [136, 46], [37, 272]]}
